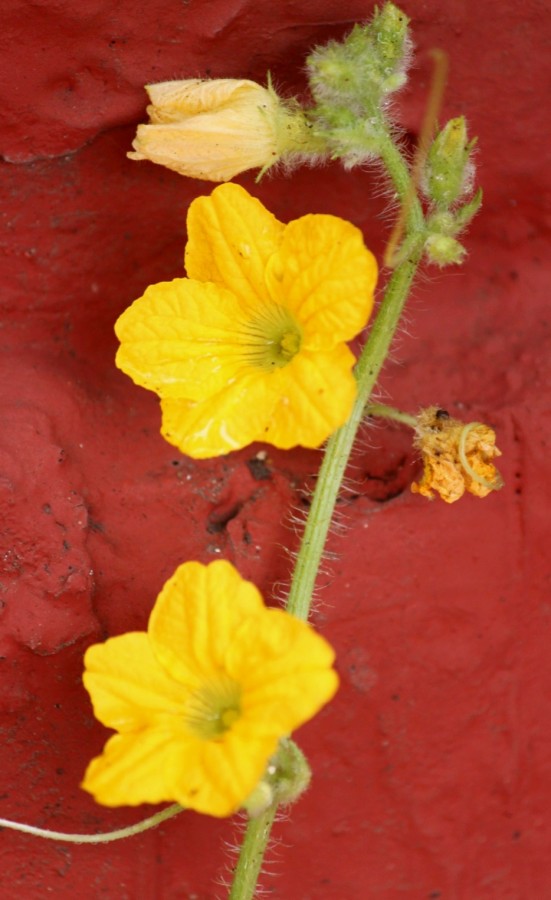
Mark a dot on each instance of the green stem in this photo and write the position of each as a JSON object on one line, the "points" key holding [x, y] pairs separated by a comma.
{"points": [[333, 467], [340, 444], [252, 853], [402, 181], [103, 838], [388, 412], [324, 498]]}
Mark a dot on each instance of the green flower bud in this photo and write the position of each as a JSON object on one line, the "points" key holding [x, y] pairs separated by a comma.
{"points": [[371, 58], [443, 250], [442, 222], [449, 169], [393, 45], [286, 777], [292, 775], [351, 81], [464, 215], [259, 800], [450, 223]]}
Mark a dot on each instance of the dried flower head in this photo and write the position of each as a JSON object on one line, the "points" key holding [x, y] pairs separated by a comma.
{"points": [[457, 457]]}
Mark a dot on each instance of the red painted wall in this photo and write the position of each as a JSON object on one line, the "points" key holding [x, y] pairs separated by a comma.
{"points": [[432, 766]]}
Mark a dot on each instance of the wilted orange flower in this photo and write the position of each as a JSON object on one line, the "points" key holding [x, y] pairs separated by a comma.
{"points": [[457, 456]]}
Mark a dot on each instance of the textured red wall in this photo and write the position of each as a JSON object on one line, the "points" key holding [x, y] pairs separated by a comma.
{"points": [[432, 766]]}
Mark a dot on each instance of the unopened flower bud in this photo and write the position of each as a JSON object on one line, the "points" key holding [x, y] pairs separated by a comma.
{"points": [[285, 779], [259, 800], [444, 250], [457, 456], [369, 63], [449, 169], [351, 81], [217, 129], [292, 774]]}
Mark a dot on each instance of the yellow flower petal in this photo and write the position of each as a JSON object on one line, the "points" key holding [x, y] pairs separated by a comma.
{"points": [[231, 237], [157, 766], [314, 401], [326, 276], [136, 768], [126, 696], [227, 772], [175, 101], [284, 659], [231, 419], [301, 404], [183, 339], [181, 624], [209, 147]]}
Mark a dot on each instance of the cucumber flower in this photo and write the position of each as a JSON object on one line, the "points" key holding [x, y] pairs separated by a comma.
{"points": [[215, 129], [201, 700], [251, 346]]}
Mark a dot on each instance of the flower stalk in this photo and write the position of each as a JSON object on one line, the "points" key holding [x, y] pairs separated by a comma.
{"points": [[335, 460], [381, 410], [339, 445], [251, 855]]}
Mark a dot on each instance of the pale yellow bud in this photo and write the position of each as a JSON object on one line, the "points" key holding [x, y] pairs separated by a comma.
{"points": [[216, 129]]}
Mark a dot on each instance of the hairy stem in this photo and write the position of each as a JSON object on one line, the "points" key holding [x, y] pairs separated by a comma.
{"points": [[340, 444], [380, 410], [404, 185], [339, 447], [251, 855]]}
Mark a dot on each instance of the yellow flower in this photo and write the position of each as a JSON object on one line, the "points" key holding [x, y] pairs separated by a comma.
{"points": [[457, 457], [202, 698], [216, 129], [251, 347]]}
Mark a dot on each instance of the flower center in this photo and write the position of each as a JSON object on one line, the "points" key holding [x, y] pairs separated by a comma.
{"points": [[213, 708], [275, 338]]}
